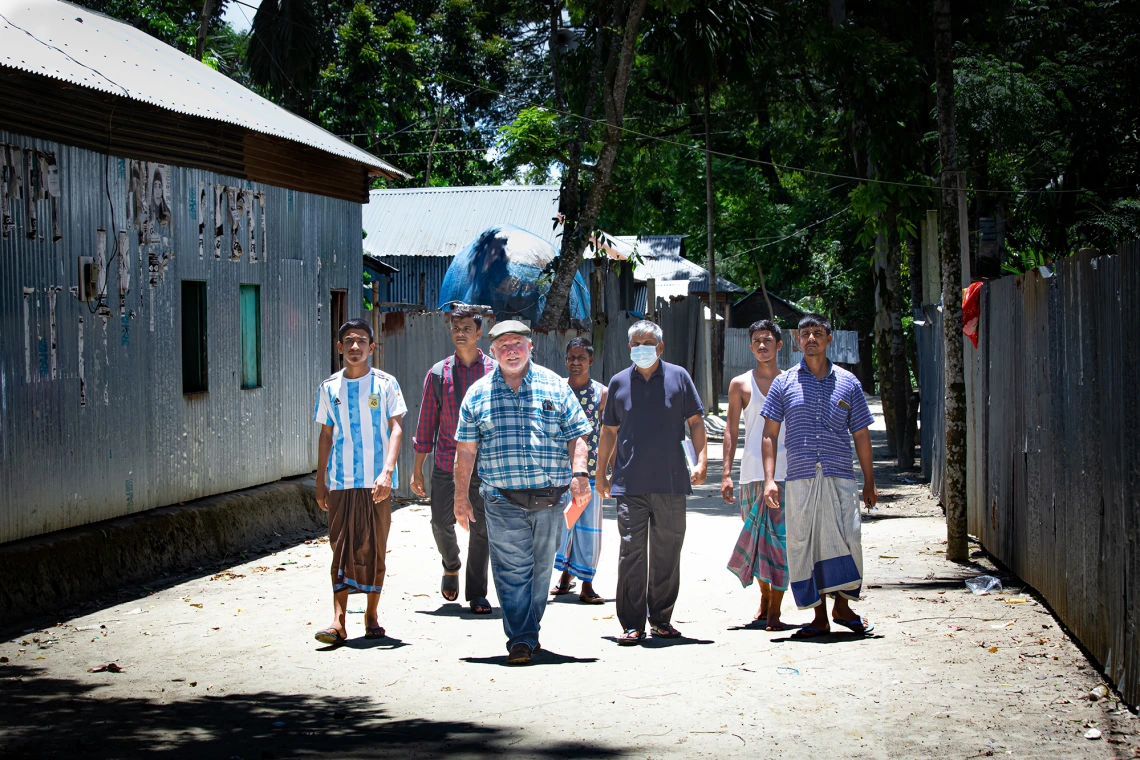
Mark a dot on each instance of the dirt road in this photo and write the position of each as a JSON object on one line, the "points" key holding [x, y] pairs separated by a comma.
{"points": [[223, 665]]}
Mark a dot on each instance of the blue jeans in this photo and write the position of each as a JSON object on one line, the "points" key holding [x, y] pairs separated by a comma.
{"points": [[522, 544]]}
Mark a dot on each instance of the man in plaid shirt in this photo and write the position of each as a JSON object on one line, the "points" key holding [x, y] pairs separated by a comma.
{"points": [[444, 388], [528, 431]]}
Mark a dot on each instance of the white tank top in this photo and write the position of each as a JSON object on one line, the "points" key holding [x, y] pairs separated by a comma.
{"points": [[752, 457]]}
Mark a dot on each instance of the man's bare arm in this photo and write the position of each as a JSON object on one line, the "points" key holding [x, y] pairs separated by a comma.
{"points": [[324, 446], [606, 445], [465, 452], [862, 440], [769, 446], [731, 431], [700, 443]]}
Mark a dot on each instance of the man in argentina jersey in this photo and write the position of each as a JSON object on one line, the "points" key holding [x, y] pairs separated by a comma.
{"points": [[360, 410]]}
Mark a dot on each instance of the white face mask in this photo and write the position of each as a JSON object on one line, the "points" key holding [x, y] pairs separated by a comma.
{"points": [[643, 356]]}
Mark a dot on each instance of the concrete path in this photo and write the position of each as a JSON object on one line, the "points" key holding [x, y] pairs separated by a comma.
{"points": [[223, 665]]}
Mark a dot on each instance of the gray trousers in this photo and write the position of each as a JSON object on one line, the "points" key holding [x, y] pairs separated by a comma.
{"points": [[443, 527], [652, 530]]}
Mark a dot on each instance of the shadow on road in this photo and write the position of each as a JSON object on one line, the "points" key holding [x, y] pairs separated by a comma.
{"points": [[42, 717], [541, 657], [461, 611]]}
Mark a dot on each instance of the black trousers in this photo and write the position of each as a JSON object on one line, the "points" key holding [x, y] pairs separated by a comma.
{"points": [[652, 530], [443, 527]]}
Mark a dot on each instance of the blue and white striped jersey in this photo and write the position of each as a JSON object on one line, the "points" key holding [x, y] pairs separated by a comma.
{"points": [[358, 410]]}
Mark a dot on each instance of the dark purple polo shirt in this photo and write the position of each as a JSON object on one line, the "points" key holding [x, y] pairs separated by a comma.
{"points": [[651, 417]]}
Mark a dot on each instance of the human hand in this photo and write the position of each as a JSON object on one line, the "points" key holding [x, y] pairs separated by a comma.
{"points": [[726, 491], [322, 495], [700, 472], [602, 483], [382, 488], [580, 489], [772, 494], [418, 483], [464, 513], [870, 494]]}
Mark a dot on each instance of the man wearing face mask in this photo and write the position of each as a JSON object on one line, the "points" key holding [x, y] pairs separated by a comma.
{"points": [[649, 404], [528, 430]]}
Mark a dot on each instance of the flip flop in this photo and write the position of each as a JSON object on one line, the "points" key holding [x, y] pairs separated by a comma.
{"points": [[374, 633], [561, 589], [593, 598], [330, 636], [631, 637], [860, 624], [480, 606], [808, 632], [450, 585], [666, 632]]}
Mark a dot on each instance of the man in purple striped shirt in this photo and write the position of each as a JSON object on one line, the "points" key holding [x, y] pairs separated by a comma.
{"points": [[824, 409]]}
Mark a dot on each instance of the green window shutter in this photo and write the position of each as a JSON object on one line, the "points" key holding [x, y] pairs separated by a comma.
{"points": [[250, 301], [194, 367]]}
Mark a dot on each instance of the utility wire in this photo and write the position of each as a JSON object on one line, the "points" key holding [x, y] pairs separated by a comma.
{"points": [[734, 157]]}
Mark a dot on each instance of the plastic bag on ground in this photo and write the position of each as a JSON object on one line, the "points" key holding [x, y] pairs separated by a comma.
{"points": [[984, 584]]}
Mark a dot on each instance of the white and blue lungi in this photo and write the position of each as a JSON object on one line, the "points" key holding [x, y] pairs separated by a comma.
{"points": [[825, 538], [581, 546]]}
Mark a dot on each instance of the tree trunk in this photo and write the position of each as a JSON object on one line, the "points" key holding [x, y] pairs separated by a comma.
{"points": [[203, 27], [900, 372], [764, 288], [883, 343], [714, 333], [431, 149], [577, 231], [954, 473]]}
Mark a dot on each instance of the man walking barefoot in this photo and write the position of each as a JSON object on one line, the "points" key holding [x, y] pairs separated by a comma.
{"points": [[824, 409], [581, 544], [761, 551], [444, 388], [360, 410], [527, 429]]}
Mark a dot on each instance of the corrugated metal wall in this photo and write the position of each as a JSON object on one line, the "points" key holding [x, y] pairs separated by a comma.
{"points": [[738, 357], [414, 270], [93, 421]]}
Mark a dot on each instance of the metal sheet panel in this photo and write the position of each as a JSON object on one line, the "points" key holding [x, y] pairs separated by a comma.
{"points": [[441, 221], [108, 55], [95, 424]]}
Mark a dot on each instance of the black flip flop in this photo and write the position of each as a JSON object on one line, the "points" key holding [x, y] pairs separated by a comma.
{"points": [[374, 633], [480, 606], [450, 584], [561, 589], [330, 636]]}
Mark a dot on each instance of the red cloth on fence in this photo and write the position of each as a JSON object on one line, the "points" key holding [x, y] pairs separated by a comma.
{"points": [[971, 310]]}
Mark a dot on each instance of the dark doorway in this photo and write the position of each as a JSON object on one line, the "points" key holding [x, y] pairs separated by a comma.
{"points": [[338, 315]]}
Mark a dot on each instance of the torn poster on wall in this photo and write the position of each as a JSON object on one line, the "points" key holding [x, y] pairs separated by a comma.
{"points": [[158, 182], [29, 175], [235, 196], [251, 231], [220, 197], [201, 214]]}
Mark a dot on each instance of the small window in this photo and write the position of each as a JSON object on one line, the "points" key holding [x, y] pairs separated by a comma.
{"points": [[194, 374], [250, 302]]}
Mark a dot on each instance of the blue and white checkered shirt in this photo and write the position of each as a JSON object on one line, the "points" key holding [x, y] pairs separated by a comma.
{"points": [[819, 417], [522, 436]]}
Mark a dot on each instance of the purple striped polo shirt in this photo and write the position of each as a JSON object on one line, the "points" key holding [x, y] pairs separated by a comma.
{"points": [[819, 417]]}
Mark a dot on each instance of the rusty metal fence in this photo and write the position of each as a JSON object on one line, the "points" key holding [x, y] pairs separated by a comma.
{"points": [[1053, 455]]}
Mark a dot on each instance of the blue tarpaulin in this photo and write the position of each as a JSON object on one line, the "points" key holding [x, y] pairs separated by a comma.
{"points": [[502, 268]]}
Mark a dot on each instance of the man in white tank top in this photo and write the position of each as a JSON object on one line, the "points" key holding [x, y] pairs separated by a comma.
{"points": [[761, 551]]}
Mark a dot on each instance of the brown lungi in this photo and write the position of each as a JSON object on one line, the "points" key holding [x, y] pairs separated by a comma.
{"points": [[358, 535]]}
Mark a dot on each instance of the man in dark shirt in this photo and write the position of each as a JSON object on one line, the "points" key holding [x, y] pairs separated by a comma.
{"points": [[648, 406], [444, 388]]}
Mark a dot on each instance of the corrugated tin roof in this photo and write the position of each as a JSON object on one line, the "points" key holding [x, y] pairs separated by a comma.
{"points": [[56, 39], [441, 221], [662, 260]]}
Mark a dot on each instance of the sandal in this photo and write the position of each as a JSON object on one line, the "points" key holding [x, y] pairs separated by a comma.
{"points": [[860, 624], [374, 633], [631, 637], [665, 632], [562, 588], [592, 598], [449, 587], [330, 636], [481, 606], [809, 632]]}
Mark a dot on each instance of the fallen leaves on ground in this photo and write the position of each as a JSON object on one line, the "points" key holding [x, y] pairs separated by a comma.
{"points": [[109, 667]]}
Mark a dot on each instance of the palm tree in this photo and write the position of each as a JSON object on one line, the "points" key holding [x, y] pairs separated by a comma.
{"points": [[283, 50]]}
